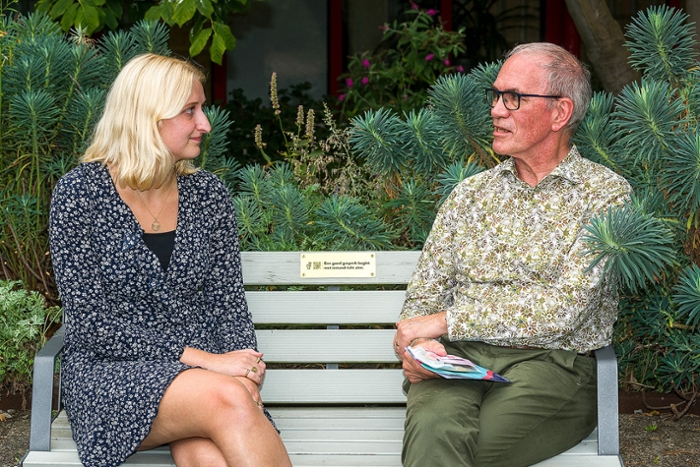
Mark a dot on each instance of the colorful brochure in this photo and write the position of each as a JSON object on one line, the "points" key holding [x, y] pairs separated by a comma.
{"points": [[453, 367]]}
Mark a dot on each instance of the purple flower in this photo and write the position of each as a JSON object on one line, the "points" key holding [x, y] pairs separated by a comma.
{"points": [[365, 63], [460, 69], [431, 12], [341, 97], [365, 80], [447, 62], [429, 57], [414, 6], [348, 82]]}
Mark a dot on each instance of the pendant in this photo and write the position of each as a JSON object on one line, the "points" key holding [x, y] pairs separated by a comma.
{"points": [[155, 225]]}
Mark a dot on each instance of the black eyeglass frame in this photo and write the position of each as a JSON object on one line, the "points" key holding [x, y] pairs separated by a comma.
{"points": [[499, 94]]}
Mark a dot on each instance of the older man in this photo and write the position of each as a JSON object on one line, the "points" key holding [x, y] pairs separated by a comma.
{"points": [[502, 281]]}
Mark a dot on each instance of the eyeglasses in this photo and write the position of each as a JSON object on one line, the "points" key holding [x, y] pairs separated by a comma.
{"points": [[511, 100]]}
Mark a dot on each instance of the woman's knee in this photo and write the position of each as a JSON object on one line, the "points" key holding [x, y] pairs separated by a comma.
{"points": [[197, 452], [231, 402], [209, 400]]}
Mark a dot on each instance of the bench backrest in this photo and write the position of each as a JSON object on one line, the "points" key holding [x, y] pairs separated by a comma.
{"points": [[329, 346]]}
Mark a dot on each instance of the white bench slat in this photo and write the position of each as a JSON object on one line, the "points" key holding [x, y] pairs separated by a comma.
{"points": [[562, 460], [70, 458], [305, 460], [299, 386], [282, 268], [328, 418], [327, 345], [323, 447], [344, 307], [316, 436]]}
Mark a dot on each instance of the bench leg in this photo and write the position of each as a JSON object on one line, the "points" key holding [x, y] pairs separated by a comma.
{"points": [[608, 418]]}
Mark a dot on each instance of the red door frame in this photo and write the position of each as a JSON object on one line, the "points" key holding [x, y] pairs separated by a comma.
{"points": [[559, 27], [335, 45]]}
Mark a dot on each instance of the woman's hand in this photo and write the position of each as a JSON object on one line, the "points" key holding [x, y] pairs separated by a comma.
{"points": [[428, 326], [245, 363], [253, 389], [413, 370]]}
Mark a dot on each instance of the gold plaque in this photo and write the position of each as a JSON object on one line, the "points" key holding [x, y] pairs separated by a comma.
{"points": [[338, 264]]}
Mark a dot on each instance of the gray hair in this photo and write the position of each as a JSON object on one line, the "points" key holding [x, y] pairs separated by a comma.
{"points": [[568, 77]]}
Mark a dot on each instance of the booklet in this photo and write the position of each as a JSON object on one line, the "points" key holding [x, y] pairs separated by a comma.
{"points": [[453, 367]]}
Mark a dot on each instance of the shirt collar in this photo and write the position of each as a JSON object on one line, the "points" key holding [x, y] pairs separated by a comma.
{"points": [[569, 169]]}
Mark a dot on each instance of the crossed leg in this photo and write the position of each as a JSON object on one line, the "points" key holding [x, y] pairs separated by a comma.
{"points": [[211, 419]]}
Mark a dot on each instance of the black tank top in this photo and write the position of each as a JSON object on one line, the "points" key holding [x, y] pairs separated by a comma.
{"points": [[162, 245]]}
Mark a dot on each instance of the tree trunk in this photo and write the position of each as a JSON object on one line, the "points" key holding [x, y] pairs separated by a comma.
{"points": [[603, 39]]}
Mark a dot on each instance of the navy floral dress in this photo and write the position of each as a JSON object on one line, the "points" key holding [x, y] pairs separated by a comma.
{"points": [[128, 321]]}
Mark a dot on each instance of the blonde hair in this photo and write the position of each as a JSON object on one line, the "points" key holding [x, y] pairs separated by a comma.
{"points": [[149, 89]]}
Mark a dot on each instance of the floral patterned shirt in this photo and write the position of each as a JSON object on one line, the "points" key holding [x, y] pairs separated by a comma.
{"points": [[505, 259]]}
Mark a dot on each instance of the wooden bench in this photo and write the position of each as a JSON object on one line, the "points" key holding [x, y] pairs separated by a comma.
{"points": [[333, 384]]}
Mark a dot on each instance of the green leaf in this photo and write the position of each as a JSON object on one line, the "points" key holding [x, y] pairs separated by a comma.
{"points": [[184, 11], [687, 295], [60, 8], [69, 17], [93, 3], [155, 13], [205, 7], [196, 28], [217, 49], [200, 42], [89, 17], [222, 30], [43, 5]]}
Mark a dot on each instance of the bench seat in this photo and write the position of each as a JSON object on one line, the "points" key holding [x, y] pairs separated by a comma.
{"points": [[333, 383], [342, 437]]}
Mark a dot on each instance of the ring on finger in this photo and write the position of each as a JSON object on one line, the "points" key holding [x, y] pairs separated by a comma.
{"points": [[247, 372], [258, 360], [254, 369]]}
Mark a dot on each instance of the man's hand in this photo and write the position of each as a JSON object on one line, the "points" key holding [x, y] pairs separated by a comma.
{"points": [[428, 326], [412, 369]]}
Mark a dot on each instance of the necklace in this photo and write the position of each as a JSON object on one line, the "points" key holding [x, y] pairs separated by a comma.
{"points": [[155, 225]]}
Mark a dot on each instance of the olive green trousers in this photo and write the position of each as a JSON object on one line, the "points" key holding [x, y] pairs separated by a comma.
{"points": [[548, 407]]}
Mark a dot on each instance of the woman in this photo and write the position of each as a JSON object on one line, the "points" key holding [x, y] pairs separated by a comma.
{"points": [[159, 345]]}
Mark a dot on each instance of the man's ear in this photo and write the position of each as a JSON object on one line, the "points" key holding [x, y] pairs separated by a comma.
{"points": [[562, 112]]}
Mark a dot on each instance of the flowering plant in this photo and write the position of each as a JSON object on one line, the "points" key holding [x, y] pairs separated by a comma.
{"points": [[411, 57]]}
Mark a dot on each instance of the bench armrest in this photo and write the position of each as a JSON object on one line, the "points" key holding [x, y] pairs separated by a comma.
{"points": [[42, 392], [608, 424]]}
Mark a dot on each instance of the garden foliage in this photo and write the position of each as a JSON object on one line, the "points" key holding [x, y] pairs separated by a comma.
{"points": [[25, 322], [413, 54], [377, 183], [648, 133], [374, 185], [207, 19], [53, 88]]}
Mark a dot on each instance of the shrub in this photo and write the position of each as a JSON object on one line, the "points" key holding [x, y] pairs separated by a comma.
{"points": [[412, 56], [250, 113], [25, 323], [53, 88], [648, 133]]}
